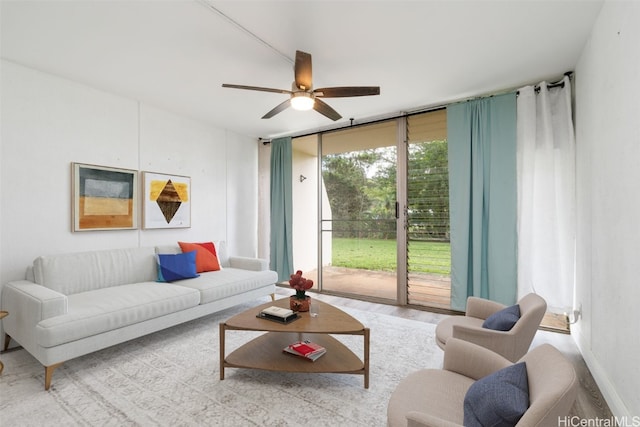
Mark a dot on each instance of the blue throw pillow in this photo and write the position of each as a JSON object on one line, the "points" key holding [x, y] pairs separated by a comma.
{"points": [[499, 399], [176, 266], [504, 319]]}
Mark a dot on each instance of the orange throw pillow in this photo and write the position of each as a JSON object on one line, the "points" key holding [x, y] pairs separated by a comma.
{"points": [[206, 257]]}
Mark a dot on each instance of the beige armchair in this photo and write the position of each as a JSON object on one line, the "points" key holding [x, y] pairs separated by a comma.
{"points": [[435, 397], [512, 344]]}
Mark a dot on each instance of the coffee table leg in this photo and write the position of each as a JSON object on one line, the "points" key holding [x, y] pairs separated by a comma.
{"points": [[366, 357], [222, 332]]}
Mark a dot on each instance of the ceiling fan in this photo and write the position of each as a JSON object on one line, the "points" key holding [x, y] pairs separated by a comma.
{"points": [[302, 96]]}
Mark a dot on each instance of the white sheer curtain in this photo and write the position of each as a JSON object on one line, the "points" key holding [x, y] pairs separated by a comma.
{"points": [[546, 194]]}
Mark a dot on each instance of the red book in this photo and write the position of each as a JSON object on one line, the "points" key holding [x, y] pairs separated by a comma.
{"points": [[306, 349]]}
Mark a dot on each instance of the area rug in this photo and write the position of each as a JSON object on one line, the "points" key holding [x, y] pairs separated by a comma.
{"points": [[171, 378]]}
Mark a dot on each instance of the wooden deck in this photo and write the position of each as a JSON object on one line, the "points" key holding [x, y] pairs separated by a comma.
{"points": [[427, 292]]}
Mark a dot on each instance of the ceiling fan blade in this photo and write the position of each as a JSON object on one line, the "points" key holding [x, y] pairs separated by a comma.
{"points": [[302, 70], [261, 89], [324, 109], [279, 108], [346, 91]]}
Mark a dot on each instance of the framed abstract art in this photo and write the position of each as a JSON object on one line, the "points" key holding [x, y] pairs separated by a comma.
{"points": [[166, 201], [104, 198]]}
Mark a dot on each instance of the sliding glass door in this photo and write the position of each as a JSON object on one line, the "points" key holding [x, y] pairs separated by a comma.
{"points": [[358, 220], [371, 210]]}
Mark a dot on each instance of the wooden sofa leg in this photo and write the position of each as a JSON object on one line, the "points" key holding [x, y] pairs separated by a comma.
{"points": [[48, 373], [273, 297], [7, 338]]}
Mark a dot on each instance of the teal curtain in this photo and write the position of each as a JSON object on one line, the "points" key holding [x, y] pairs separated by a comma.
{"points": [[482, 199], [281, 208]]}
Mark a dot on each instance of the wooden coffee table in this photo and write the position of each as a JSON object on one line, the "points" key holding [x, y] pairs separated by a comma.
{"points": [[265, 352]]}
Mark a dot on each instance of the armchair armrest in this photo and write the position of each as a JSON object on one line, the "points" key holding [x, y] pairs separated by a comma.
{"points": [[501, 342], [471, 360], [420, 419], [247, 263], [481, 308]]}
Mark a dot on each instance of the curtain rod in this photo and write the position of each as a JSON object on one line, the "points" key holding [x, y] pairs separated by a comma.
{"points": [[560, 83], [266, 141]]}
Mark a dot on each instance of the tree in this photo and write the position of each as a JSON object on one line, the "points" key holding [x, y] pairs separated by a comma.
{"points": [[428, 178], [361, 190], [345, 181], [382, 193], [361, 187]]}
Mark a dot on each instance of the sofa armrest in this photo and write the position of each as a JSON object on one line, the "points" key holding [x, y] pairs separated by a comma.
{"points": [[29, 304], [481, 308], [471, 360], [420, 419], [246, 263]]}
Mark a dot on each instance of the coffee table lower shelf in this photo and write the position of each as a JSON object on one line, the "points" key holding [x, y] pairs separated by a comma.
{"points": [[265, 352]]}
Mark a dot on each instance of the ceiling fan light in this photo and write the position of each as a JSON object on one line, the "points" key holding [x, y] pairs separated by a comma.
{"points": [[302, 101]]}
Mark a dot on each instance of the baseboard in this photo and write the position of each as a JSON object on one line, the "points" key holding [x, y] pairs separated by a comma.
{"points": [[607, 388]]}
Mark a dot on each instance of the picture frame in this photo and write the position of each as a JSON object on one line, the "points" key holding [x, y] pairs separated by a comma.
{"points": [[103, 198], [166, 201]]}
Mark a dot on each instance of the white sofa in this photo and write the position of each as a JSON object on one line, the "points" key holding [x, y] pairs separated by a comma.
{"points": [[74, 304]]}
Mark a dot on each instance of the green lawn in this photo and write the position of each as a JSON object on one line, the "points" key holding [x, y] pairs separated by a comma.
{"points": [[375, 254]]}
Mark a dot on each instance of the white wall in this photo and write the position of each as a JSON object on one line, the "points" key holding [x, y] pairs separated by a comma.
{"points": [[305, 211], [264, 201], [608, 196], [181, 146], [46, 124], [242, 195], [49, 122]]}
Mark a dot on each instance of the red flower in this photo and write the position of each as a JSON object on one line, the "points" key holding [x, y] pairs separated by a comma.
{"points": [[300, 284]]}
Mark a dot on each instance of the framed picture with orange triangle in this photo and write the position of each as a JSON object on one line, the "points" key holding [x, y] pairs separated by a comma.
{"points": [[166, 201]]}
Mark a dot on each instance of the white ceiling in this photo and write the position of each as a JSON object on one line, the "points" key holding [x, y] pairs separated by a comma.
{"points": [[176, 54]]}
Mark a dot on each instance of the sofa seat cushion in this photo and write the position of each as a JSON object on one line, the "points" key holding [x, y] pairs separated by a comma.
{"points": [[93, 312], [215, 285]]}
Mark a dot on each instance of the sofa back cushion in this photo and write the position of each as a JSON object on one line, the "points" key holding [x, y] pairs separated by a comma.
{"points": [[86, 271]]}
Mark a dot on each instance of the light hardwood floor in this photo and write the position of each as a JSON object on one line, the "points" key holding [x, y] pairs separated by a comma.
{"points": [[589, 405]]}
